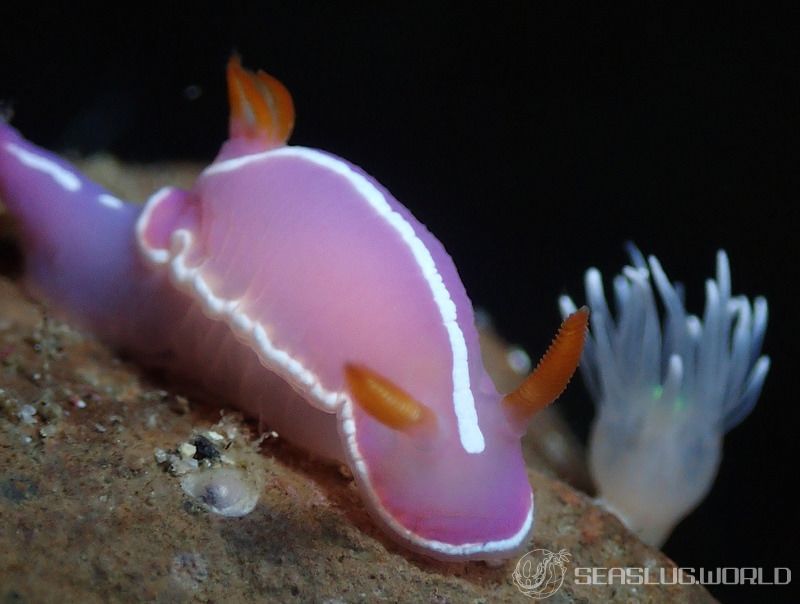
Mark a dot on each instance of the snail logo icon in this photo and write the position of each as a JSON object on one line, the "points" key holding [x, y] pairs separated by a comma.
{"points": [[540, 573]]}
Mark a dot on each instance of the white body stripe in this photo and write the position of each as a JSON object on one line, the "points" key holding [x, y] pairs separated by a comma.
{"points": [[66, 179], [463, 402], [188, 278], [153, 255], [243, 326], [110, 201]]}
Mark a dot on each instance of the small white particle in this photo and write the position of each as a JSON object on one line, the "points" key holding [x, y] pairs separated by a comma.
{"points": [[26, 414], [187, 450], [519, 361]]}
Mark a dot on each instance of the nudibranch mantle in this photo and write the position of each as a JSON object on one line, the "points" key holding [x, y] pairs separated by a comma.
{"points": [[289, 282], [469, 431]]}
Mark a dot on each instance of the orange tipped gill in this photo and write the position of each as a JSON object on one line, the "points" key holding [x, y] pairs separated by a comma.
{"points": [[261, 107], [554, 371], [385, 401]]}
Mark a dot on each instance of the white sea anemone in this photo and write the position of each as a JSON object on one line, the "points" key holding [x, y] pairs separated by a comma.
{"points": [[666, 395]]}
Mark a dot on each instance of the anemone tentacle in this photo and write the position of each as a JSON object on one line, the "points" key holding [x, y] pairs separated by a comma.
{"points": [[666, 390]]}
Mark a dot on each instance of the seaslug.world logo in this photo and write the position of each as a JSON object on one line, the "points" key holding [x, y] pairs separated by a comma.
{"points": [[540, 573]]}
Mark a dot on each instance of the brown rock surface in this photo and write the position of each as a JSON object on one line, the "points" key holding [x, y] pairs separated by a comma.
{"points": [[87, 514]]}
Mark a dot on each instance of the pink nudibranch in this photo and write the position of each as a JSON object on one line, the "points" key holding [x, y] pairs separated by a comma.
{"points": [[290, 283]]}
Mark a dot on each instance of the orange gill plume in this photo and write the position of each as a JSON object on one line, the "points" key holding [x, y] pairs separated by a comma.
{"points": [[553, 373], [261, 107], [387, 402]]}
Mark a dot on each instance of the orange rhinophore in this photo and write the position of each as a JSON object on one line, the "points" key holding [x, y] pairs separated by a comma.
{"points": [[554, 371], [261, 107]]}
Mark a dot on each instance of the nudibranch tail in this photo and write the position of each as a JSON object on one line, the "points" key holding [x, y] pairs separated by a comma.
{"points": [[261, 107], [386, 402], [554, 371], [76, 236]]}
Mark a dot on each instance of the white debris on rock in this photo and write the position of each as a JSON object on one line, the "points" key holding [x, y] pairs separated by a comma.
{"points": [[216, 468]]}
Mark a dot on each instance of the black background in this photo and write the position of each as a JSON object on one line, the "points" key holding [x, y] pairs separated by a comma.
{"points": [[532, 141]]}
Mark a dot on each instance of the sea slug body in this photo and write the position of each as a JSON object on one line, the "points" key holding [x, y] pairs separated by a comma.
{"points": [[290, 283]]}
